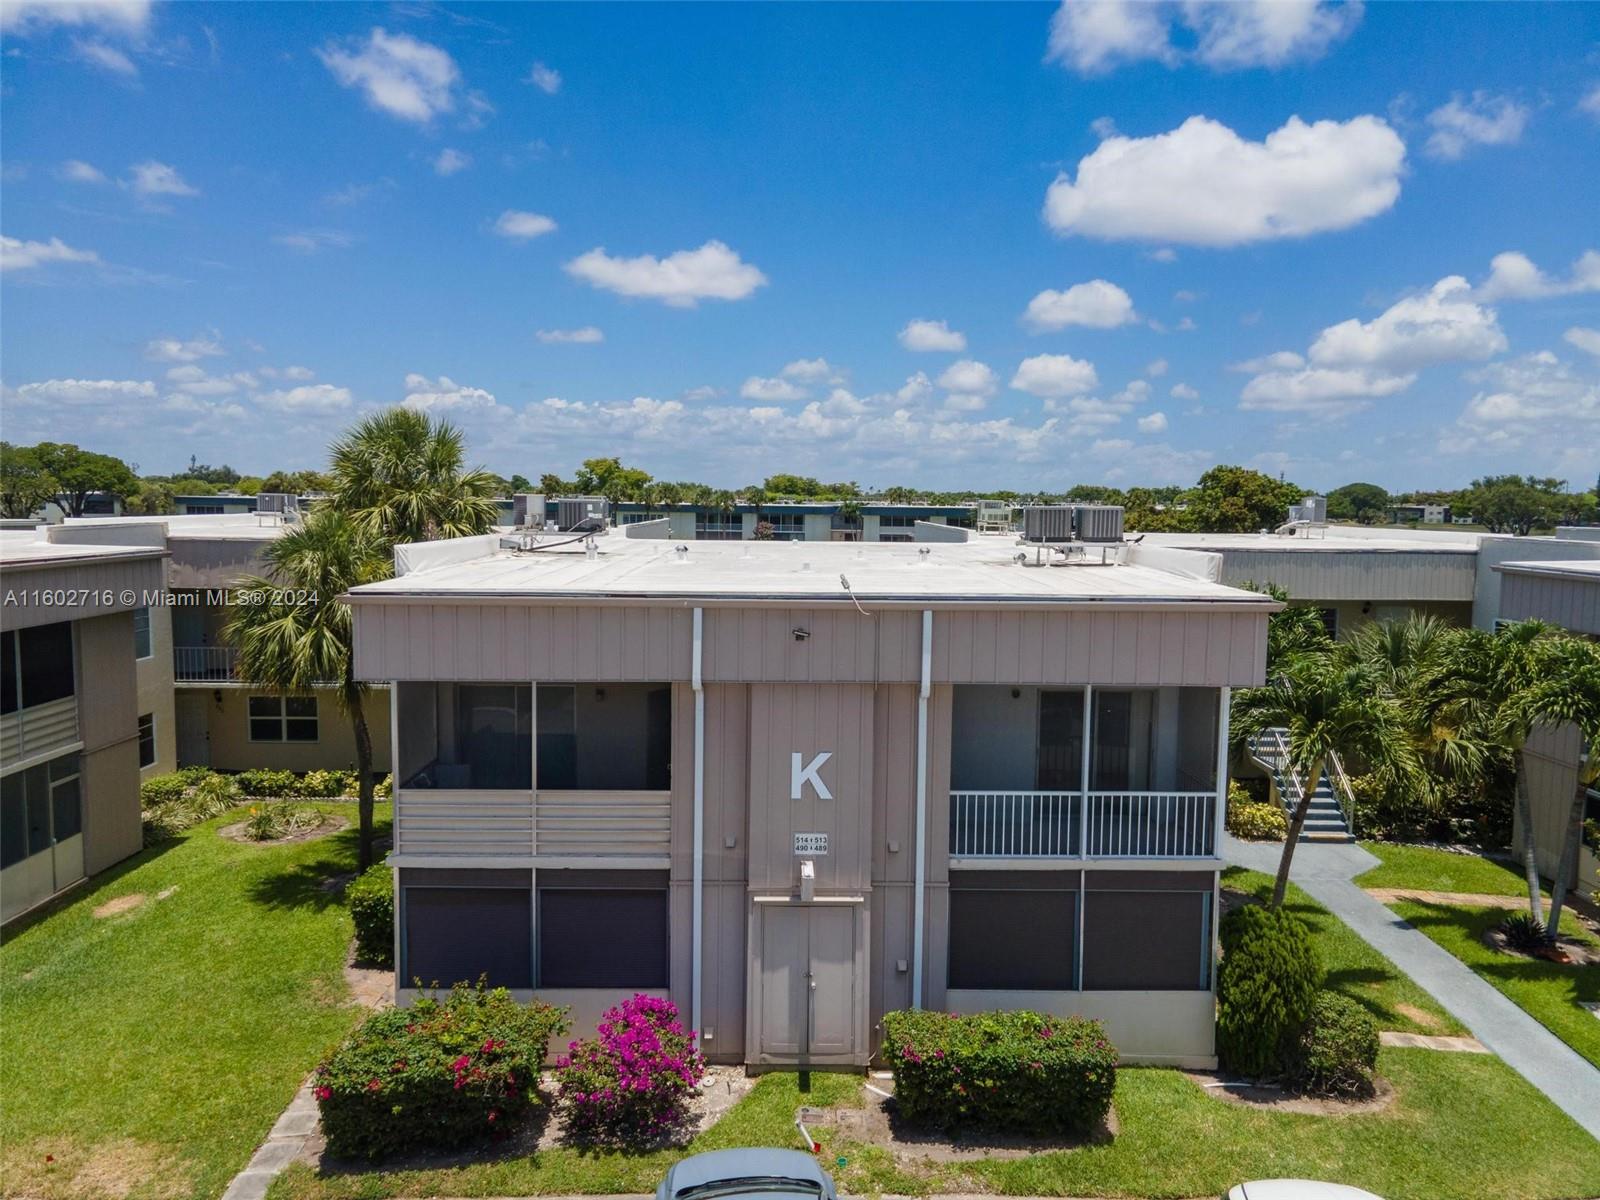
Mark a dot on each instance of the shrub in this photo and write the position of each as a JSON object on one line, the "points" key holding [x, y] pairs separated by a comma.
{"points": [[327, 785], [1265, 986], [1253, 821], [1337, 1048], [438, 1075], [193, 775], [631, 1084], [1524, 931], [1000, 1070], [371, 901], [162, 789], [384, 788], [271, 784], [169, 809], [268, 822]]}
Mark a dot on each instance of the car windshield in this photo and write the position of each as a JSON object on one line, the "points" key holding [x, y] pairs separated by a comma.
{"points": [[747, 1184]]}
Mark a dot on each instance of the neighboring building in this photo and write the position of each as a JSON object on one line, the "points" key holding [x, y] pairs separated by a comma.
{"points": [[821, 521], [1567, 594], [220, 504], [1426, 514], [74, 726], [712, 772]]}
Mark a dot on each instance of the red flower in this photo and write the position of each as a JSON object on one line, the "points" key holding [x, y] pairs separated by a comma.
{"points": [[374, 1085], [324, 1092]]}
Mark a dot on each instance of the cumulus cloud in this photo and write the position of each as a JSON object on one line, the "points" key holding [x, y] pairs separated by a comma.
{"points": [[1587, 340], [1443, 324], [1323, 391], [682, 279], [1280, 360], [1156, 368], [1481, 119], [444, 395], [194, 381], [19, 255], [1055, 375], [809, 370], [151, 178], [295, 374], [23, 17], [1204, 185], [1095, 36], [587, 335], [546, 79], [1513, 276], [1097, 304], [398, 74], [969, 384], [178, 350], [770, 390], [523, 226], [449, 161], [937, 336], [77, 393], [1182, 391], [1536, 402], [1156, 422], [311, 398], [77, 171]]}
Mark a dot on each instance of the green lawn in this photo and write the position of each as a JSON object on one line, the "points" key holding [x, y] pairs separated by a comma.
{"points": [[151, 1051], [1458, 1130], [1431, 870], [1353, 967], [1549, 992]]}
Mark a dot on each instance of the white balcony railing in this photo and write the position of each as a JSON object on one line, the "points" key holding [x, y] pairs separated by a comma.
{"points": [[30, 732], [204, 664], [1053, 825]]}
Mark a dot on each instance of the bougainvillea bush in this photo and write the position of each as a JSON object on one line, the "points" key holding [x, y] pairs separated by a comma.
{"points": [[631, 1084], [439, 1075], [1000, 1070]]}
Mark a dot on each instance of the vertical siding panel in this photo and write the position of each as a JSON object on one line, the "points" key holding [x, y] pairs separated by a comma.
{"points": [[1219, 641], [1101, 647], [1008, 647], [1147, 651], [1194, 645]]}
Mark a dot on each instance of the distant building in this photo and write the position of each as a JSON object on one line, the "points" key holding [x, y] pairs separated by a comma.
{"points": [[1427, 514]]}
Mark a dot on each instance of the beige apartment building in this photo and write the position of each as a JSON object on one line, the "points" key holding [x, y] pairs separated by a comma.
{"points": [[794, 786]]}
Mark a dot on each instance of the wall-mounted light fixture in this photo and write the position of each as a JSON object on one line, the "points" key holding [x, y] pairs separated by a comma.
{"points": [[801, 633]]}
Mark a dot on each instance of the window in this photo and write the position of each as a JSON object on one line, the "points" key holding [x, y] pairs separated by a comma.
{"points": [[1122, 742], [496, 725], [1330, 621], [633, 518], [716, 526], [1015, 930], [37, 666], [1060, 755], [203, 510], [602, 929], [147, 739], [283, 718], [1146, 931], [897, 521], [786, 527], [141, 633], [612, 737], [38, 808], [456, 934]]}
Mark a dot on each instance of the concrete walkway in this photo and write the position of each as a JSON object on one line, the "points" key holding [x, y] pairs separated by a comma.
{"points": [[1544, 1060]]}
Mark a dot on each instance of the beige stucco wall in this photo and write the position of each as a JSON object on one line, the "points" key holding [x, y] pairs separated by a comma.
{"points": [[230, 748], [153, 677], [107, 700]]}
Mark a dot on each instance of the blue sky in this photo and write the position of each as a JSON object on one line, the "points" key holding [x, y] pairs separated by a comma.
{"points": [[999, 245]]}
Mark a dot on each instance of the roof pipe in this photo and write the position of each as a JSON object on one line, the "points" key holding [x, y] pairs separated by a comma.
{"points": [[919, 890], [697, 890]]}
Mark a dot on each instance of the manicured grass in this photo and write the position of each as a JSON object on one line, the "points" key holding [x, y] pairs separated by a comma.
{"points": [[155, 1048], [1430, 870], [1458, 1129], [1548, 992], [1354, 968]]}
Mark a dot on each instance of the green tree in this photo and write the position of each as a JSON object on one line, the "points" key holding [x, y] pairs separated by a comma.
{"points": [[1513, 504], [609, 478], [79, 473], [154, 498], [25, 484], [297, 483], [1292, 631], [554, 485], [1364, 502], [399, 476], [519, 484], [1239, 500], [293, 645]]}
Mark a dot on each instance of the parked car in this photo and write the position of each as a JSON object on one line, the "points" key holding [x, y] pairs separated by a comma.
{"points": [[763, 1172], [1297, 1189]]}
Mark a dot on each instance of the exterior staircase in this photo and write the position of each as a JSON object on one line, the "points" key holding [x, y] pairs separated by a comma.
{"points": [[1332, 808]]}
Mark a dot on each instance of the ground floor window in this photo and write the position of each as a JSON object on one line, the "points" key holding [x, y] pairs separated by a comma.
{"points": [[461, 926], [147, 739], [1013, 930], [602, 929], [283, 718], [1147, 931], [39, 807]]}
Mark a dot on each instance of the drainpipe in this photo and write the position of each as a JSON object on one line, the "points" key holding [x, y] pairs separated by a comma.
{"points": [[697, 921], [1224, 711], [919, 890]]}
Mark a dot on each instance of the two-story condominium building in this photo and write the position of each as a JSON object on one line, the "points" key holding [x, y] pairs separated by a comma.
{"points": [[794, 786]]}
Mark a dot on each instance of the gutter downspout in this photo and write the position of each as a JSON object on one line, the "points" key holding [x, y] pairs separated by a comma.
{"points": [[698, 887], [919, 891]]}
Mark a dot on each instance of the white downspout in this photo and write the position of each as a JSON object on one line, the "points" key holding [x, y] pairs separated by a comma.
{"points": [[919, 890], [697, 891], [1224, 712]]}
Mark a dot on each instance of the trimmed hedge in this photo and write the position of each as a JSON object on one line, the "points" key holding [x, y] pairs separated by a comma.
{"points": [[439, 1075], [272, 785], [371, 901], [1000, 1070], [1266, 984], [1337, 1050]]}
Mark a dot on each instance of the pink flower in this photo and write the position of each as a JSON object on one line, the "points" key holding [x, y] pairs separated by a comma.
{"points": [[324, 1092]]}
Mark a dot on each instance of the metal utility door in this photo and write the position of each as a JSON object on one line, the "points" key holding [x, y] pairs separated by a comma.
{"points": [[810, 1007]]}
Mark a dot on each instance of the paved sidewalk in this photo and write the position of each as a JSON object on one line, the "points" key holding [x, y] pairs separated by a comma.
{"points": [[1544, 1060]]}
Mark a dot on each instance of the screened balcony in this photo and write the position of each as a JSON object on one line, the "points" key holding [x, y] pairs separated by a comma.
{"points": [[1035, 775]]}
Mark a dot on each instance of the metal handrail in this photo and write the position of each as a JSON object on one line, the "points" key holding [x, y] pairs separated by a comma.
{"points": [[1342, 791]]}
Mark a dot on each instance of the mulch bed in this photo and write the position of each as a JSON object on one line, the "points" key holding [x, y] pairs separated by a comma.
{"points": [[1567, 952], [328, 825], [1269, 1098]]}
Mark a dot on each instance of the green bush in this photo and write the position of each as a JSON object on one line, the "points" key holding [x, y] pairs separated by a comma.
{"points": [[1337, 1049], [162, 789], [1266, 982], [439, 1075], [193, 775], [384, 788], [269, 784], [1253, 821], [1000, 1070], [172, 806], [326, 785], [371, 901], [268, 822]]}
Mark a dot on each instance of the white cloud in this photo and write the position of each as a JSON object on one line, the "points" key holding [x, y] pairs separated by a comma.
{"points": [[1156, 422], [23, 17], [153, 178], [18, 255], [1534, 403], [1182, 391], [917, 389], [934, 336], [770, 390], [1442, 324], [810, 370], [1162, 254], [1590, 103], [1320, 390], [179, 351], [1097, 304], [1204, 185], [296, 374], [445, 395], [449, 161], [1094, 36], [682, 279], [1055, 375], [398, 74], [1280, 360], [1481, 119], [1156, 368], [968, 377], [77, 171], [1513, 276], [105, 56], [311, 398], [194, 381], [1587, 340], [546, 79], [85, 392], [523, 226], [309, 241], [587, 335]]}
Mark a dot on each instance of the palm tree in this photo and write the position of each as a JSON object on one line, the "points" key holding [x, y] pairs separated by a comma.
{"points": [[400, 476], [290, 647], [1327, 707]]}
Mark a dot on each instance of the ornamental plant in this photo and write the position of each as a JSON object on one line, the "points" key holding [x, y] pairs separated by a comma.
{"points": [[1336, 1053], [630, 1085], [1255, 820], [371, 901], [439, 1075], [267, 783], [1265, 987], [1008, 1071]]}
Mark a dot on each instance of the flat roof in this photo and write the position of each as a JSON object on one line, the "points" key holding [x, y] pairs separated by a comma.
{"points": [[1586, 569], [979, 571], [1444, 542], [202, 526], [28, 547]]}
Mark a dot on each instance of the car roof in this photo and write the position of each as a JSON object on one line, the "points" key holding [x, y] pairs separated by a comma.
{"points": [[1302, 1189], [731, 1165]]}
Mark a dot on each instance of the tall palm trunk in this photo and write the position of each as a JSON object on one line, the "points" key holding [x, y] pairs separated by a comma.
{"points": [[358, 721], [1567, 866], [1296, 823], [1530, 861]]}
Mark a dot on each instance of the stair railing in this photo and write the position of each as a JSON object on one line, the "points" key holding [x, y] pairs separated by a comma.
{"points": [[1343, 793]]}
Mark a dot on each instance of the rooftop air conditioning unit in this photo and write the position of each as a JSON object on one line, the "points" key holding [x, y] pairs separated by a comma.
{"points": [[572, 511], [1047, 523], [1312, 510], [1097, 522], [527, 510], [277, 506]]}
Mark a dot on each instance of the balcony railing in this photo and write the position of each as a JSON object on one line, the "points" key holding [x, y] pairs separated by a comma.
{"points": [[497, 824], [1052, 825], [204, 664], [30, 732]]}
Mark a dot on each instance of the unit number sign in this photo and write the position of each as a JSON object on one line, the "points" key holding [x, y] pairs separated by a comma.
{"points": [[810, 843]]}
